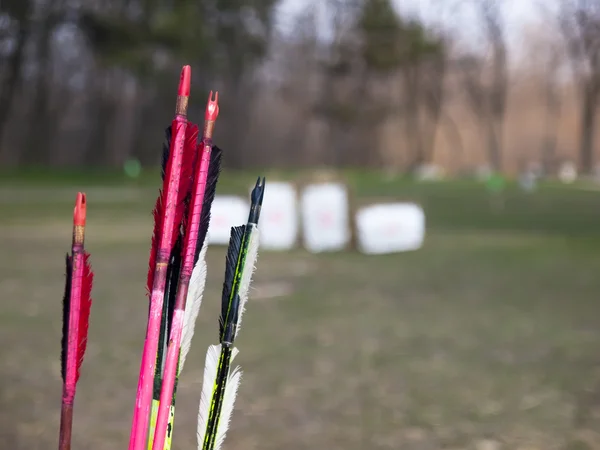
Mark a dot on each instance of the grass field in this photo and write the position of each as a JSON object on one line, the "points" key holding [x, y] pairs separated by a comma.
{"points": [[487, 338]]}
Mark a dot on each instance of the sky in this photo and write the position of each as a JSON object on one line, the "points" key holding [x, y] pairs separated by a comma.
{"points": [[457, 15]]}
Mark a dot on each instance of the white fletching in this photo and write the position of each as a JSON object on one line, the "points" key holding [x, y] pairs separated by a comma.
{"points": [[231, 390], [192, 304], [210, 377], [249, 268]]}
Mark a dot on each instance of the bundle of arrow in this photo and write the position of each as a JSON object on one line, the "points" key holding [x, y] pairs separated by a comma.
{"points": [[176, 279]]}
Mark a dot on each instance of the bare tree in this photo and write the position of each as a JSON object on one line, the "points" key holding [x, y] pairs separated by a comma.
{"points": [[580, 25], [552, 102], [297, 60], [342, 100], [423, 74], [485, 81], [543, 64], [38, 148], [494, 27], [19, 13], [493, 24], [380, 64]]}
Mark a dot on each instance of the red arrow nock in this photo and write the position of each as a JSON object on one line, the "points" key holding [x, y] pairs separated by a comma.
{"points": [[184, 82]]}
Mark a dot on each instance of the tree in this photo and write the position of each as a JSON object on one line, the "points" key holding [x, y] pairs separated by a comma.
{"points": [[124, 46], [296, 69], [392, 43], [341, 101], [580, 25], [486, 82], [39, 146], [231, 41], [492, 17], [543, 63], [373, 48], [19, 13]]}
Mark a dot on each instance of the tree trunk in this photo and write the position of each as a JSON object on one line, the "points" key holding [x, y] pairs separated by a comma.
{"points": [[588, 129], [493, 145], [550, 138], [455, 139], [336, 146], [38, 147], [235, 104], [97, 150], [8, 92], [434, 102], [429, 136], [412, 120], [496, 121]]}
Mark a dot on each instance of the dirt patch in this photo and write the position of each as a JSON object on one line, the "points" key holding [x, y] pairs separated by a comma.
{"points": [[267, 291]]}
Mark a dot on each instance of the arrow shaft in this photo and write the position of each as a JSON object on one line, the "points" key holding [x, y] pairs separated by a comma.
{"points": [[66, 426], [166, 393], [171, 288], [139, 434]]}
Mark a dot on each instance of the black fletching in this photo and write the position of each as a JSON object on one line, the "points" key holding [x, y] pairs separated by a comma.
{"points": [[173, 280], [231, 268], [214, 170], [66, 312], [173, 270], [165, 152]]}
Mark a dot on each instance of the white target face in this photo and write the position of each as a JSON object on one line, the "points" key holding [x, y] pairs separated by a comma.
{"points": [[390, 228], [325, 217], [226, 212], [278, 224]]}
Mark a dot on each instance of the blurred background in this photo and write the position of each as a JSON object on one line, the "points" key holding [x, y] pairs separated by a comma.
{"points": [[483, 112], [503, 83]]}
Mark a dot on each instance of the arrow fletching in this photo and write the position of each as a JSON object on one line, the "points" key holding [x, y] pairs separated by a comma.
{"points": [[77, 303], [198, 210], [171, 212], [198, 278], [220, 385], [231, 389], [193, 276], [77, 299], [175, 261]]}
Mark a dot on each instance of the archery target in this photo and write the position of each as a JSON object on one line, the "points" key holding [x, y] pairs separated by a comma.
{"points": [[325, 217], [226, 212], [278, 224], [390, 228]]}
